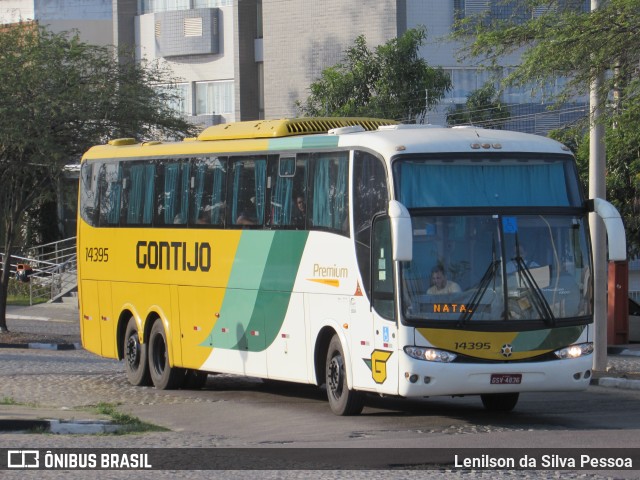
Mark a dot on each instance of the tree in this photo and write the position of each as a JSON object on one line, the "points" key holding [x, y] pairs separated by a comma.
{"points": [[483, 108], [58, 96], [562, 39], [390, 81]]}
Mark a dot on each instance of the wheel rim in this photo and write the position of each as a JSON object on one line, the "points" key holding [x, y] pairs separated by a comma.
{"points": [[336, 376], [133, 352]]}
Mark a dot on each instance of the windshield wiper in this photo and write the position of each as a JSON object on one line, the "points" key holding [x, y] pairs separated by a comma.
{"points": [[539, 302], [482, 288]]}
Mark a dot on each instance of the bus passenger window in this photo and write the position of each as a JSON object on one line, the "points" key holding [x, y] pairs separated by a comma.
{"points": [[89, 193], [329, 195], [248, 185], [208, 196], [139, 182], [288, 192], [110, 184], [174, 198]]}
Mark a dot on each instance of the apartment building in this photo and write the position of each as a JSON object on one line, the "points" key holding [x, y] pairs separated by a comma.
{"points": [[251, 59]]}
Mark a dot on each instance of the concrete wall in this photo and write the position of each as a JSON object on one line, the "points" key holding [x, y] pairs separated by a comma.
{"points": [[92, 19], [303, 37], [192, 67]]}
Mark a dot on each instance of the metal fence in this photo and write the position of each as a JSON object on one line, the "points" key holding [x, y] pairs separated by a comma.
{"points": [[50, 270]]}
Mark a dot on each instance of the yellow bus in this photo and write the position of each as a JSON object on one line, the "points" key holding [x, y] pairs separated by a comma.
{"points": [[360, 254]]}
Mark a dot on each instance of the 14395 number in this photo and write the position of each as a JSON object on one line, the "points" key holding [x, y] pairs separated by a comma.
{"points": [[97, 254], [472, 345]]}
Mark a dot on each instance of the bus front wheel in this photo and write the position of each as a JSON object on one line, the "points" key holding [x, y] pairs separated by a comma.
{"points": [[135, 356], [341, 400], [499, 402], [163, 376]]}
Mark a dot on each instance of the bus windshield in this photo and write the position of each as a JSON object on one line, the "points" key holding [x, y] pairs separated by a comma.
{"points": [[482, 254]]}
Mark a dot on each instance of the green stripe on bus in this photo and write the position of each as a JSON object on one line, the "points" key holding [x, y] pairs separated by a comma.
{"points": [[296, 143], [256, 301], [548, 339]]}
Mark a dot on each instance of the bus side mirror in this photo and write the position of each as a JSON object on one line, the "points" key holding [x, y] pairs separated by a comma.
{"points": [[401, 232], [615, 228]]}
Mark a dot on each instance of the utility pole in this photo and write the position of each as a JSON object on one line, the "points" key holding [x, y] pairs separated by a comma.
{"points": [[597, 189]]}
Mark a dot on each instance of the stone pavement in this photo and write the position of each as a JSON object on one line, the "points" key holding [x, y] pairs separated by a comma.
{"points": [[60, 321]]}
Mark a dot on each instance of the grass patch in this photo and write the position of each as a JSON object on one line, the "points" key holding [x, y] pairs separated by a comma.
{"points": [[129, 424], [13, 401], [22, 301]]}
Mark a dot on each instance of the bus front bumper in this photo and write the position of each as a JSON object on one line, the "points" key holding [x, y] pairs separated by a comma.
{"points": [[424, 379]]}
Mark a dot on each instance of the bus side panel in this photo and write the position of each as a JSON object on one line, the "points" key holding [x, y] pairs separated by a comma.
{"points": [[199, 311], [90, 316], [107, 322], [286, 355]]}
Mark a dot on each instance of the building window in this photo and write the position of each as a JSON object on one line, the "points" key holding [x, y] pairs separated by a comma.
{"points": [[214, 98], [151, 6], [212, 3], [180, 99]]}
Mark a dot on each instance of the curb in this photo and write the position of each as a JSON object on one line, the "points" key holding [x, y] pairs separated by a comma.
{"points": [[615, 382], [623, 351], [43, 346]]}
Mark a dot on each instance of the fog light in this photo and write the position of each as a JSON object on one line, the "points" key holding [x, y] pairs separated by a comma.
{"points": [[576, 376], [413, 378], [587, 374], [427, 380]]}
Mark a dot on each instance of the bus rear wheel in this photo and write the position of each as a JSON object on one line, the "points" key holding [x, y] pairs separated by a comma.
{"points": [[163, 376], [499, 402], [135, 356], [341, 400]]}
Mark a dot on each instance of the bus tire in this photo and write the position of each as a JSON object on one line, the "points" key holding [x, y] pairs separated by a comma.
{"points": [[135, 356], [163, 376], [499, 402], [194, 379], [341, 400]]}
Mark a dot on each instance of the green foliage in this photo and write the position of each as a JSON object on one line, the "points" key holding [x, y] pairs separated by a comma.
{"points": [[483, 108], [390, 81], [563, 40]]}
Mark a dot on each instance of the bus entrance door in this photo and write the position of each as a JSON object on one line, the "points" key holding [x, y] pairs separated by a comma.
{"points": [[90, 317]]}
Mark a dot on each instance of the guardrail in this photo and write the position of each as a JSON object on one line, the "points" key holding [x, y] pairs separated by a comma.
{"points": [[50, 270]]}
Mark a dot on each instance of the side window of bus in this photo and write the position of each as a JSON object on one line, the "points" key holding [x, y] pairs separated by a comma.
{"points": [[110, 186], [208, 206], [288, 198], [89, 192], [370, 196], [382, 294], [138, 194], [329, 192], [247, 186], [174, 185]]}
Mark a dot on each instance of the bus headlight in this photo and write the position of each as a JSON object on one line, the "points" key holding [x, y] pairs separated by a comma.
{"points": [[430, 354], [575, 351]]}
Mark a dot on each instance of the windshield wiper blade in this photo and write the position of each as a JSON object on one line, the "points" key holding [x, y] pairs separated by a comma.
{"points": [[539, 302], [482, 288]]}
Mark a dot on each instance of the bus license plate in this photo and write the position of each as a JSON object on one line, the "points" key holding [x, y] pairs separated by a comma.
{"points": [[506, 378]]}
